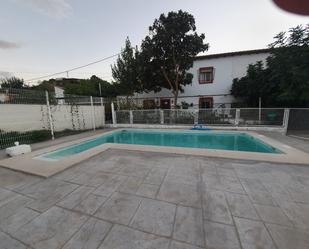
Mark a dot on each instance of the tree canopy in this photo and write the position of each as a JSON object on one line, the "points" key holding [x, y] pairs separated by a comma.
{"points": [[90, 87], [284, 80], [12, 82], [125, 71], [165, 56]]}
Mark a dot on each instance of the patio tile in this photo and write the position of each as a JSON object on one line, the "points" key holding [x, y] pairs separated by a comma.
{"points": [[155, 176], [226, 171], [155, 217], [189, 226], [15, 180], [186, 175], [241, 206], [120, 208], [110, 186], [253, 234], [12, 206], [287, 238], [90, 235], [121, 237], [130, 185], [51, 229], [180, 245], [208, 168], [224, 183], [220, 236], [182, 194], [273, 215], [48, 193], [49, 188], [18, 219], [215, 207], [298, 213], [148, 190], [6, 196], [92, 179], [73, 199], [6, 242], [135, 170], [90, 204]]}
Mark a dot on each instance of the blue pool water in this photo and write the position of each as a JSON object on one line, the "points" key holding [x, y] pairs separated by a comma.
{"points": [[207, 140]]}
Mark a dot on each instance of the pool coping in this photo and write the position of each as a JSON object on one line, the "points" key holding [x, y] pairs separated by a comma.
{"points": [[29, 164]]}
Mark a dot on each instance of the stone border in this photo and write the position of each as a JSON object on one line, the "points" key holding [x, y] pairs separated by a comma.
{"points": [[29, 164]]}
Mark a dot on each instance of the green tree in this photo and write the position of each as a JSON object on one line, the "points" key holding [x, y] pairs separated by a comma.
{"points": [[168, 52], [284, 81], [90, 87], [125, 71], [12, 82]]}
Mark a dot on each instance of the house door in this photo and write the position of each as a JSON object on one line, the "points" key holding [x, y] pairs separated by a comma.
{"points": [[165, 103], [206, 102]]}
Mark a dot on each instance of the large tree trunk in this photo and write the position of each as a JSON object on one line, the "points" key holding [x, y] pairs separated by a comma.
{"points": [[175, 99]]}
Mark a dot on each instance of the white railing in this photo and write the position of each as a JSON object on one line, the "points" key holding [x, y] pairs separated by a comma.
{"points": [[29, 116], [233, 117]]}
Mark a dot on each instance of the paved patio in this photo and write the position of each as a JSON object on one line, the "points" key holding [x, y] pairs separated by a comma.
{"points": [[140, 200]]}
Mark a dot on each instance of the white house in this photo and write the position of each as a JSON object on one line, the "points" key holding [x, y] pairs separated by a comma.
{"points": [[212, 80]]}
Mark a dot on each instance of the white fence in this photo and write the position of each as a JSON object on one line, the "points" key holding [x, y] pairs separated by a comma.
{"points": [[32, 116], [21, 117], [222, 117]]}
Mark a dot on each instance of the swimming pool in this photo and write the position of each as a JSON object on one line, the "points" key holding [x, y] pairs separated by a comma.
{"points": [[235, 141]]}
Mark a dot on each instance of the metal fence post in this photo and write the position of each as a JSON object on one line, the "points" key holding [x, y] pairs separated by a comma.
{"points": [[285, 122], [50, 116], [92, 113], [196, 116], [131, 117], [161, 117], [103, 112], [237, 117], [113, 114]]}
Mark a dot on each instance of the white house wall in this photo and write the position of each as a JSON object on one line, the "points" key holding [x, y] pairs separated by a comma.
{"points": [[225, 70]]}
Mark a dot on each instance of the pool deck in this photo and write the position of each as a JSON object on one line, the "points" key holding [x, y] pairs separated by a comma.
{"points": [[32, 163], [121, 199]]}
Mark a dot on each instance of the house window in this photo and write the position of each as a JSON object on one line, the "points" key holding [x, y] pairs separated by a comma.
{"points": [[206, 102], [206, 75]]}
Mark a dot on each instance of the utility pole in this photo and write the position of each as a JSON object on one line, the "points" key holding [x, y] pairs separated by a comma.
{"points": [[67, 74]]}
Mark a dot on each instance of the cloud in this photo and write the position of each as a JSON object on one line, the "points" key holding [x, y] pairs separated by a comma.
{"points": [[58, 9], [8, 45], [4, 74]]}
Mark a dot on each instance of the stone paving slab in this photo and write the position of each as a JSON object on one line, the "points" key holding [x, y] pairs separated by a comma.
{"points": [[155, 217], [142, 200], [90, 235], [122, 237], [120, 208], [51, 229]]}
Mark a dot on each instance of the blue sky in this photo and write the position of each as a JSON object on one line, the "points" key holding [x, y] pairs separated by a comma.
{"points": [[40, 37]]}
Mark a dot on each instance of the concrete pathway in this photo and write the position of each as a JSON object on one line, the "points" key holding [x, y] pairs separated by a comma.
{"points": [[138, 200]]}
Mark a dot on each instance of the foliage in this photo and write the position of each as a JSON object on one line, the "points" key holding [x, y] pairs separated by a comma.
{"points": [[125, 71], [284, 81], [12, 82], [8, 138], [90, 87], [168, 52]]}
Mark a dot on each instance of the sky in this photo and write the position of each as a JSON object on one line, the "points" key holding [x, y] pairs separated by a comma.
{"points": [[41, 37]]}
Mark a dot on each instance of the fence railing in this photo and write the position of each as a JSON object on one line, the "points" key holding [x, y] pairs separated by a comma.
{"points": [[214, 117], [29, 116]]}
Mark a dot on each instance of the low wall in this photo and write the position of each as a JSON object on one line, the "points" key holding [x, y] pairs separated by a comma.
{"points": [[21, 117]]}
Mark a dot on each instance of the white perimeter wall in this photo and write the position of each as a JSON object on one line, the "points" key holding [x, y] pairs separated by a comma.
{"points": [[19, 117]]}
